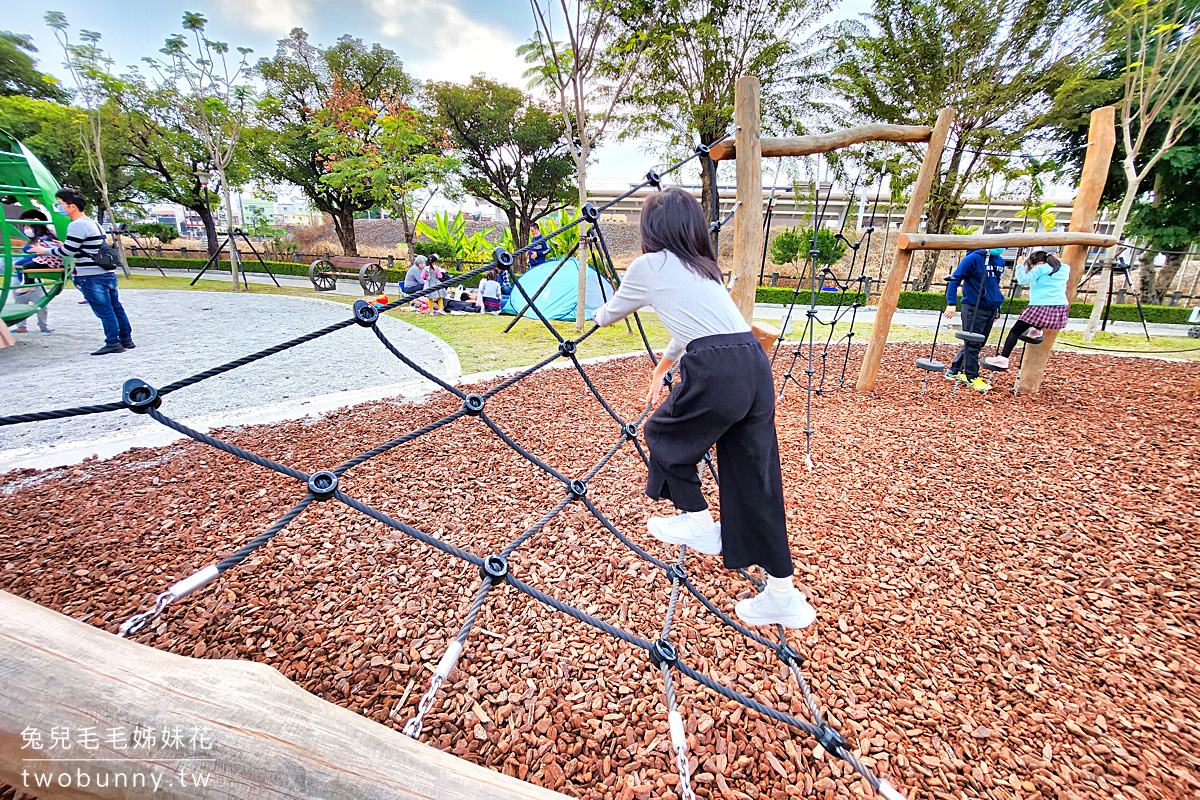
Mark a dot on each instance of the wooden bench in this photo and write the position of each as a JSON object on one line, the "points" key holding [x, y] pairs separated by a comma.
{"points": [[324, 273]]}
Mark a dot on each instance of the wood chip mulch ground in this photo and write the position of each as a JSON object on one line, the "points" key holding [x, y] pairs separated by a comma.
{"points": [[1004, 585]]}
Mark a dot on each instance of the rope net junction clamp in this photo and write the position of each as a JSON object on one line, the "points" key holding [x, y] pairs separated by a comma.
{"points": [[139, 397]]}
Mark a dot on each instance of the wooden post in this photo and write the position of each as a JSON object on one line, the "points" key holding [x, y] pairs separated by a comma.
{"points": [[1102, 136], [748, 221], [912, 216], [245, 730]]}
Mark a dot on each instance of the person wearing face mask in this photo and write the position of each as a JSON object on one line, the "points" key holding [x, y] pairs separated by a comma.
{"points": [[36, 234], [95, 262], [979, 275]]}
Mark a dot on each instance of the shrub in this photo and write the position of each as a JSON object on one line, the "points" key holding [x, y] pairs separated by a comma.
{"points": [[783, 296], [158, 230], [793, 244]]}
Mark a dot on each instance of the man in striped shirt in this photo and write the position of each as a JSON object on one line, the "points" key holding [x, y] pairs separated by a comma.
{"points": [[98, 283]]}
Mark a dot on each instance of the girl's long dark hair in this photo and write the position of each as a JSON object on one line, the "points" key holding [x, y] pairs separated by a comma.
{"points": [[1038, 256], [672, 220]]}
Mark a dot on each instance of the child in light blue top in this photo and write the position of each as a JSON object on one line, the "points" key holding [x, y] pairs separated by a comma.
{"points": [[1047, 284], [1047, 280]]}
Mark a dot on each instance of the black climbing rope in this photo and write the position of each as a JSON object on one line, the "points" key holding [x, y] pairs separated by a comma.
{"points": [[496, 568]]}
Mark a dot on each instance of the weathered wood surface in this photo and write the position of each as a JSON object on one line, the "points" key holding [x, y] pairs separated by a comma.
{"points": [[267, 738], [826, 142], [748, 219], [1102, 138], [869, 370], [950, 241]]}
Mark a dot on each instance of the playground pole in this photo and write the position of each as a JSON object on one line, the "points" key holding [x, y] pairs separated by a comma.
{"points": [[748, 221], [895, 280], [1101, 140]]}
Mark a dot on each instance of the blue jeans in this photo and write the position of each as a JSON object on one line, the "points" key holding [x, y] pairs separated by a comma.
{"points": [[101, 293]]}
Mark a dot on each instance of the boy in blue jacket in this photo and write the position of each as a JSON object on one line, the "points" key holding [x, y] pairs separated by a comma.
{"points": [[979, 274]]}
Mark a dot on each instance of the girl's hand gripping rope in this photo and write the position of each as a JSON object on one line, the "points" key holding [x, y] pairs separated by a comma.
{"points": [[654, 392]]}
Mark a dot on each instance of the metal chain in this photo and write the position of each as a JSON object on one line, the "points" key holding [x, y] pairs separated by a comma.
{"points": [[678, 737], [685, 774], [412, 728]]}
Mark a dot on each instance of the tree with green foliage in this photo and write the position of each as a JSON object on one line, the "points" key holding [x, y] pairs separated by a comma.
{"points": [[596, 61], [513, 151], [90, 67], [993, 61], [685, 83], [393, 151], [212, 97], [301, 81], [168, 159], [1146, 56], [19, 75], [1169, 221], [57, 135]]}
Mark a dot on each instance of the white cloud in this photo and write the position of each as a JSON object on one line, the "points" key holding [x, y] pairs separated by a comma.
{"points": [[442, 42], [268, 16]]}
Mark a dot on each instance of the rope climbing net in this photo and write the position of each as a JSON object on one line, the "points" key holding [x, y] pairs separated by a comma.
{"points": [[496, 568], [854, 288]]}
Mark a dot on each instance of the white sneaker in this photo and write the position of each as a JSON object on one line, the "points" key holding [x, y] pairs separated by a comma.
{"points": [[996, 361], [682, 529], [766, 610]]}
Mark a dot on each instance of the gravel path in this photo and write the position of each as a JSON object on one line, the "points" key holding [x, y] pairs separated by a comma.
{"points": [[182, 333]]}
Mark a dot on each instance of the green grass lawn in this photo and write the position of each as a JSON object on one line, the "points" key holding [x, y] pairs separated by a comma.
{"points": [[482, 345]]}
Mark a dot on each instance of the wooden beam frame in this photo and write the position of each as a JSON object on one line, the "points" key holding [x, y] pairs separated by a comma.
{"points": [[1102, 137], [895, 280], [748, 220], [256, 733], [825, 142], [950, 241]]}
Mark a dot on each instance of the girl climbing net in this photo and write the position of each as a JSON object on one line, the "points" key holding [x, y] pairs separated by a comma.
{"points": [[726, 398]]}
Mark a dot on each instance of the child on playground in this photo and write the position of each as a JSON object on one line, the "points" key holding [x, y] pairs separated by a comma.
{"points": [[433, 275], [979, 274], [37, 234], [726, 398], [1048, 306], [489, 296]]}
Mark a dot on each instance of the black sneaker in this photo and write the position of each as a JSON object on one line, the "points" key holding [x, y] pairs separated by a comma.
{"points": [[128, 344], [109, 348]]}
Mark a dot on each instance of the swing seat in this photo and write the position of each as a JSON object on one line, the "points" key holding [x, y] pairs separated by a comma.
{"points": [[968, 336], [930, 365], [1027, 339], [983, 364]]}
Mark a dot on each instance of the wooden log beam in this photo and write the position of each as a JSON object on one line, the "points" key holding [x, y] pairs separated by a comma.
{"points": [[825, 142], [244, 728], [1102, 137], [950, 241], [869, 370], [748, 220]]}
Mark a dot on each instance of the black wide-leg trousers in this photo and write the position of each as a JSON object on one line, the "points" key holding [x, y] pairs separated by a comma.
{"points": [[726, 398]]}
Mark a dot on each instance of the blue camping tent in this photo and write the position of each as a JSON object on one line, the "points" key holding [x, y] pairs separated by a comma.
{"points": [[557, 300]]}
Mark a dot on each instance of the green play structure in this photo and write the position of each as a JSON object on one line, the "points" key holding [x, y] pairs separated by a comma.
{"points": [[24, 180]]}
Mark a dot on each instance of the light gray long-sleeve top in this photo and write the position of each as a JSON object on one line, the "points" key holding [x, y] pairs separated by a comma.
{"points": [[690, 306]]}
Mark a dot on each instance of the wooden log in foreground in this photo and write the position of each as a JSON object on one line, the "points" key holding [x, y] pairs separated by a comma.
{"points": [[825, 142], [980, 241], [243, 729]]}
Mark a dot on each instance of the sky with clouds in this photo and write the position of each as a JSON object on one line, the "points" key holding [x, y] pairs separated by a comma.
{"points": [[436, 39]]}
